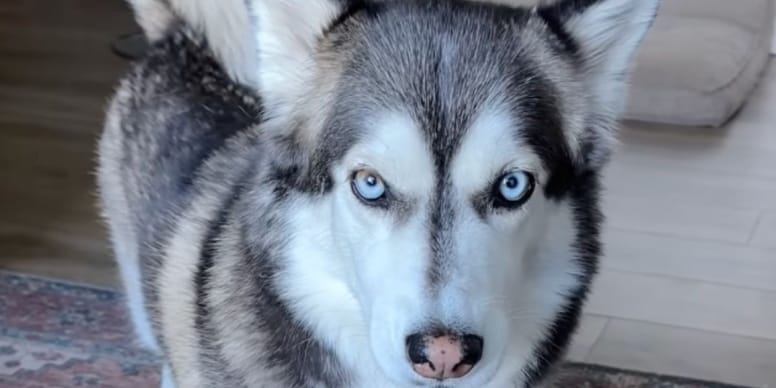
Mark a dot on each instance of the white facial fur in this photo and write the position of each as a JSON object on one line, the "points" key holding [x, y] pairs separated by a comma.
{"points": [[360, 274]]}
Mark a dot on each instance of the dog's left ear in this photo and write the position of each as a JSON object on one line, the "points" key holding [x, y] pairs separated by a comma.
{"points": [[605, 36]]}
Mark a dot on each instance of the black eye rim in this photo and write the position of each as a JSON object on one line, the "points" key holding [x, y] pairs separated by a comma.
{"points": [[498, 200], [381, 202]]}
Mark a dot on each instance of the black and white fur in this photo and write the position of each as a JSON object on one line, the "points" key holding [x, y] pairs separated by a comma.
{"points": [[225, 174]]}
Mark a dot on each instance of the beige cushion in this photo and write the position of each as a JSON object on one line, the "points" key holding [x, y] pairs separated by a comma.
{"points": [[701, 61]]}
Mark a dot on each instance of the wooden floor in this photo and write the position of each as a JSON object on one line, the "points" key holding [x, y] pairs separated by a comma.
{"points": [[56, 72], [689, 282]]}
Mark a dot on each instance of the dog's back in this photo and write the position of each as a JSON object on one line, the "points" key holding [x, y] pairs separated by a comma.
{"points": [[176, 109]]}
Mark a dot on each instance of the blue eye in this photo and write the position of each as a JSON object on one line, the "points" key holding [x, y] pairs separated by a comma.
{"points": [[515, 187], [368, 186]]}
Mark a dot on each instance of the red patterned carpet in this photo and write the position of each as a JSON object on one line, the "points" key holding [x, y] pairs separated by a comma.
{"points": [[57, 335]]}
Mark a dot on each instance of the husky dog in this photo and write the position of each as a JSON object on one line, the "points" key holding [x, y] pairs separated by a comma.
{"points": [[333, 193]]}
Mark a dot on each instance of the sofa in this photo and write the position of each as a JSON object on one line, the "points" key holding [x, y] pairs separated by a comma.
{"points": [[701, 61]]}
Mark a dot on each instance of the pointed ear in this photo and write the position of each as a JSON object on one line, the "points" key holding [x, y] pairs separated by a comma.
{"points": [[267, 44], [225, 24], [605, 36], [286, 34]]}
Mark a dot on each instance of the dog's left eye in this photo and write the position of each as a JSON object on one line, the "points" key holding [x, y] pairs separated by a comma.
{"points": [[368, 186], [514, 188]]}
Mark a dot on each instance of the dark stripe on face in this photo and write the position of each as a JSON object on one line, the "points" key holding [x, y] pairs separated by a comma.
{"points": [[539, 109], [290, 348], [584, 197], [295, 357], [444, 119], [335, 141], [441, 221], [563, 40]]}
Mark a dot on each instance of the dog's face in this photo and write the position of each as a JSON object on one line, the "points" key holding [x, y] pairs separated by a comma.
{"points": [[444, 226], [464, 241]]}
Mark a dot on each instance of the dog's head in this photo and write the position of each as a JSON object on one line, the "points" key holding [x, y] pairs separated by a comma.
{"points": [[441, 188]]}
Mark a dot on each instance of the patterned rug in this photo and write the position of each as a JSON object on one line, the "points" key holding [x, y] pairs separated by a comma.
{"points": [[58, 335]]}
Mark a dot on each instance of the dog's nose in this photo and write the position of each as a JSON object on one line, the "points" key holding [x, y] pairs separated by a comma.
{"points": [[444, 357]]}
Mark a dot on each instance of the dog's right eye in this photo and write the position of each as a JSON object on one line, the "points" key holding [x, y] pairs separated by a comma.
{"points": [[368, 186]]}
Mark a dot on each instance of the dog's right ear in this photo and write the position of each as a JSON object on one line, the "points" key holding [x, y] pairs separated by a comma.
{"points": [[266, 44], [286, 34], [225, 25]]}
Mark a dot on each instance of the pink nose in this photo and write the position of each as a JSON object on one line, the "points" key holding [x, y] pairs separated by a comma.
{"points": [[444, 357]]}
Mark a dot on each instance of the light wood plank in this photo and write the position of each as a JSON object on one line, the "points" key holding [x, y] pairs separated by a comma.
{"points": [[704, 188], [681, 219], [695, 150], [690, 353], [80, 258], [684, 303], [765, 235], [56, 74], [587, 335], [711, 261]]}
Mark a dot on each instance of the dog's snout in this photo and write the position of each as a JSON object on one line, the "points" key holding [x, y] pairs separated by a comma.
{"points": [[443, 357]]}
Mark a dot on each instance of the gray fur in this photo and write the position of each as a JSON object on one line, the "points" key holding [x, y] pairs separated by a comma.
{"points": [[181, 132]]}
